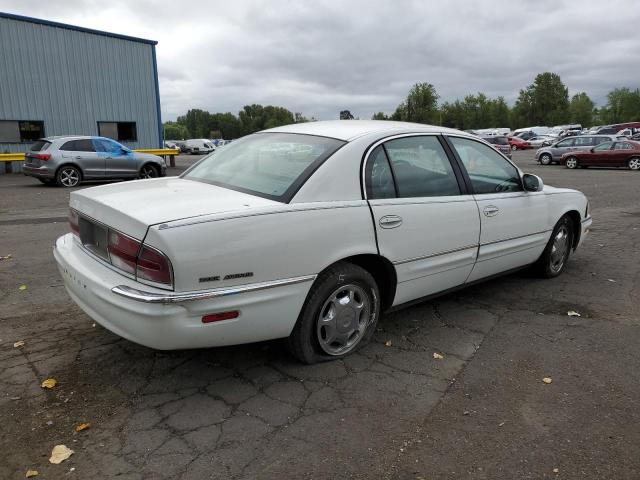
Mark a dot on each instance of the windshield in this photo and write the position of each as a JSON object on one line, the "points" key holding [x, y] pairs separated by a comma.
{"points": [[270, 165]]}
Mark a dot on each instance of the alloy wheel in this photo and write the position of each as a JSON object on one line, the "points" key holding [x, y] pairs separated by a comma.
{"points": [[634, 163], [545, 159], [572, 162], [148, 172], [559, 249], [69, 177], [343, 319]]}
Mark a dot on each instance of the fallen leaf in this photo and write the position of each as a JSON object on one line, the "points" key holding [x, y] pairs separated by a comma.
{"points": [[573, 313], [60, 453], [49, 383], [18, 344], [437, 356], [82, 426], [22, 288], [6, 257], [31, 473], [387, 343], [547, 380]]}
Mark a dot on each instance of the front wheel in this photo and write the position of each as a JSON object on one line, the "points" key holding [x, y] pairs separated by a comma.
{"points": [[513, 148], [554, 258], [545, 159], [571, 162], [634, 163], [339, 315], [148, 171]]}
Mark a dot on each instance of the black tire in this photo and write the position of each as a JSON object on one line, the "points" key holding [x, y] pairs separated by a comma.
{"points": [[546, 266], [545, 159], [149, 170], [304, 341], [68, 176], [571, 163]]}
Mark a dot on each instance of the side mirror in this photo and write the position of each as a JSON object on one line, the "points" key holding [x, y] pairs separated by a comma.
{"points": [[592, 149], [532, 183]]}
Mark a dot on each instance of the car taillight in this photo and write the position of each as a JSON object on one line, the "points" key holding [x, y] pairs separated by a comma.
{"points": [[74, 223], [153, 266], [40, 156], [123, 251]]}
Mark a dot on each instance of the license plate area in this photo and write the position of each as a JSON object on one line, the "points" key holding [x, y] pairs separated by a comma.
{"points": [[93, 237]]}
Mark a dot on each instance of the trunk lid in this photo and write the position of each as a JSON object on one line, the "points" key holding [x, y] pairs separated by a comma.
{"points": [[131, 207]]}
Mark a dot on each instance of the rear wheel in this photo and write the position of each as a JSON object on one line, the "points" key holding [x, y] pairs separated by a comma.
{"points": [[148, 171], [545, 159], [571, 162], [513, 148], [68, 176], [339, 315], [556, 254], [634, 163]]}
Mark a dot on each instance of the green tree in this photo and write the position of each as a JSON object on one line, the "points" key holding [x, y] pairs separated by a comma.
{"points": [[581, 109], [623, 105], [544, 102], [379, 116], [499, 113], [175, 131], [197, 122], [420, 106]]}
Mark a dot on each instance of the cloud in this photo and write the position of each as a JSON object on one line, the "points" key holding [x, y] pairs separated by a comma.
{"points": [[322, 57]]}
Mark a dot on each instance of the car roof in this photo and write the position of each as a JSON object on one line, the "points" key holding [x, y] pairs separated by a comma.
{"points": [[348, 130], [68, 137]]}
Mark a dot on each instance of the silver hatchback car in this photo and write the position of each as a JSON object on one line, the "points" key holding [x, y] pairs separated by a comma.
{"points": [[69, 160], [553, 153]]}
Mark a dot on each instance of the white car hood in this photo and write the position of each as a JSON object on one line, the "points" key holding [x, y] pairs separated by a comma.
{"points": [[131, 207]]}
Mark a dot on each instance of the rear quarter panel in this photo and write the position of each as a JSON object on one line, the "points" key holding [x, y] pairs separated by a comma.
{"points": [[283, 242]]}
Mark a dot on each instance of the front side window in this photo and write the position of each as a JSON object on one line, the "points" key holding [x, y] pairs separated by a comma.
{"points": [[488, 170], [380, 182], [566, 143], [270, 165], [603, 146], [583, 142], [104, 145]]}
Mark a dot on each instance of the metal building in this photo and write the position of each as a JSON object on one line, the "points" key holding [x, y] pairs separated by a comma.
{"points": [[58, 79]]}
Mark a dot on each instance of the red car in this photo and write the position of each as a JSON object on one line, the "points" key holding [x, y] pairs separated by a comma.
{"points": [[621, 153], [517, 143]]}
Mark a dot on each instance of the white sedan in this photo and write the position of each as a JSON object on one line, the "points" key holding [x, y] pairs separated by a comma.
{"points": [[309, 231]]}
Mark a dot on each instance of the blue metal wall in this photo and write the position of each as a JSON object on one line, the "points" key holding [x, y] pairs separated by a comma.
{"points": [[72, 79]]}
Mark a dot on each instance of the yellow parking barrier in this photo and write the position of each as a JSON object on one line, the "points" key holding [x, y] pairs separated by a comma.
{"points": [[11, 157]]}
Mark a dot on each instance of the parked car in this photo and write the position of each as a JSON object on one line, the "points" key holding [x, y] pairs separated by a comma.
{"points": [[554, 152], [526, 135], [607, 130], [541, 141], [500, 143], [172, 145], [199, 146], [517, 143], [621, 153], [312, 242], [69, 160]]}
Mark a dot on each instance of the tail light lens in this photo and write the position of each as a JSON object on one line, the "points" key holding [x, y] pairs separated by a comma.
{"points": [[40, 156], [153, 266], [74, 222], [123, 251]]}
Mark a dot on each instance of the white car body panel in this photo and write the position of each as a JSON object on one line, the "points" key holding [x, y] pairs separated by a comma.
{"points": [[235, 251]]}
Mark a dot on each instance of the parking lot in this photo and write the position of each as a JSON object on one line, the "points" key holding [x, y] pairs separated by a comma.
{"points": [[390, 411]]}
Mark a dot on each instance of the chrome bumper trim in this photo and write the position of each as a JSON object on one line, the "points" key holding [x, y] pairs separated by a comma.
{"points": [[150, 297]]}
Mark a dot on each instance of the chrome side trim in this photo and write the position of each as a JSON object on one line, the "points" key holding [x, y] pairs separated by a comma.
{"points": [[424, 257], [151, 297], [515, 238]]}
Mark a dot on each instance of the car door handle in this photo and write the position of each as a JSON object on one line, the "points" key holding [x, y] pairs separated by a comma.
{"points": [[490, 210], [78, 157], [390, 221]]}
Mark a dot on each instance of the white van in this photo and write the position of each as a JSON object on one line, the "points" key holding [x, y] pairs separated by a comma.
{"points": [[199, 146]]}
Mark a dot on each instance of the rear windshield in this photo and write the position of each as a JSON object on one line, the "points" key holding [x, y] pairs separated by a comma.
{"points": [[40, 146], [270, 165]]}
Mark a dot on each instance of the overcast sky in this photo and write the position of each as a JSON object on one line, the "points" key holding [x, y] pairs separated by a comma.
{"points": [[319, 57]]}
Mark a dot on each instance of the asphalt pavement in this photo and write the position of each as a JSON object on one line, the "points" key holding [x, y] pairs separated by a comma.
{"points": [[392, 410]]}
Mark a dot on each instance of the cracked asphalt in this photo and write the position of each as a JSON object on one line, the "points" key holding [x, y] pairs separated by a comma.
{"points": [[388, 412]]}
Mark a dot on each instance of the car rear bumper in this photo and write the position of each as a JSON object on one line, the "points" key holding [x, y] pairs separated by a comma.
{"points": [[38, 172], [265, 313]]}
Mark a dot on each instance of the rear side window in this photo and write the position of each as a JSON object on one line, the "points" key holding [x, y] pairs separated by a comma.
{"points": [[488, 170], [84, 145], [379, 178], [583, 142], [40, 146], [421, 167], [69, 146], [600, 140]]}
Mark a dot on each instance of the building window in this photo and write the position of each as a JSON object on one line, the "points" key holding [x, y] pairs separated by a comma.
{"points": [[16, 131], [122, 131]]}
